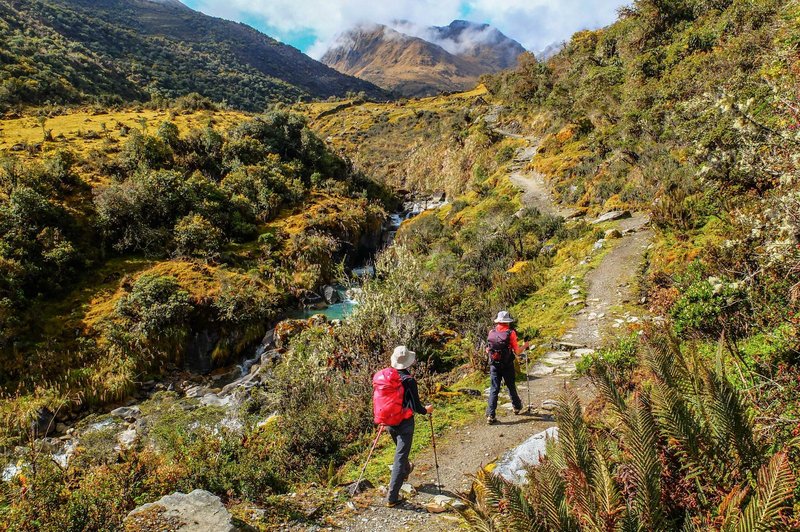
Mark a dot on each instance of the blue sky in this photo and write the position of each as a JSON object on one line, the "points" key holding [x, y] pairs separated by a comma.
{"points": [[312, 25]]}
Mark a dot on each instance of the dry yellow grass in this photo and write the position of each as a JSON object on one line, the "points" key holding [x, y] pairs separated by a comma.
{"points": [[68, 130]]}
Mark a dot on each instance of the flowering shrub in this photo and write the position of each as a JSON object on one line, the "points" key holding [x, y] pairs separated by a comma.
{"points": [[706, 307]]}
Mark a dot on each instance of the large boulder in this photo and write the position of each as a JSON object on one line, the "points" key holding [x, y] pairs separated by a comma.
{"points": [[198, 511], [331, 295]]}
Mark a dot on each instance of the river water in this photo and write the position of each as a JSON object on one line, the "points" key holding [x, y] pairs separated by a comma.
{"points": [[348, 295]]}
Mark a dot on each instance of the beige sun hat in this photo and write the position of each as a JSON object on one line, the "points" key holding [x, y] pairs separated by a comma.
{"points": [[402, 358], [504, 317]]}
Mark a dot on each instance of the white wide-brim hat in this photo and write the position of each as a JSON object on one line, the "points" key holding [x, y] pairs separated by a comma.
{"points": [[402, 358], [504, 317]]}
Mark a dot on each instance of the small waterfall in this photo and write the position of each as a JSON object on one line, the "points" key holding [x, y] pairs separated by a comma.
{"points": [[244, 367]]}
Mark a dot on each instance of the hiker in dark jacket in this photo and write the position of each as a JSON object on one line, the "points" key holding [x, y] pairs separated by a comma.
{"points": [[403, 433], [502, 350]]}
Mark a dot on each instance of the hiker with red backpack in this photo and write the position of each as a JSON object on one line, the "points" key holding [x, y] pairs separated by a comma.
{"points": [[503, 347], [395, 401]]}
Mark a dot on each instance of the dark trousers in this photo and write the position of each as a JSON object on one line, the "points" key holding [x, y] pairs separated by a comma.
{"points": [[402, 435], [499, 373]]}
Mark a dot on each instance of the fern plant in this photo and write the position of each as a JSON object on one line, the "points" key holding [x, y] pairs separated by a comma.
{"points": [[679, 452]]}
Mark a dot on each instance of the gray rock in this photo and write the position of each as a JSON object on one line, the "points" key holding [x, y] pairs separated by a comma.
{"points": [[445, 502], [198, 511], [612, 233], [269, 338], [212, 399], [127, 412], [612, 215], [356, 488], [126, 439], [549, 404], [196, 391], [408, 489], [331, 295]]}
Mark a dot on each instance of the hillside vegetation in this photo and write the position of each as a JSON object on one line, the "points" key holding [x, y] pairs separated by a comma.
{"points": [[689, 110], [115, 51], [125, 238], [129, 235]]}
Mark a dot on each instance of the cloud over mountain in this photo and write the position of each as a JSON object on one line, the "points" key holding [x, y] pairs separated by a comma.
{"points": [[534, 23]]}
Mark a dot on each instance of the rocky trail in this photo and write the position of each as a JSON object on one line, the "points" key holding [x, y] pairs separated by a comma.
{"points": [[516, 440]]}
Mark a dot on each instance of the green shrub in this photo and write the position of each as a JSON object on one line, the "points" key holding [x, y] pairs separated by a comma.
{"points": [[194, 236], [155, 304], [618, 361], [709, 306]]}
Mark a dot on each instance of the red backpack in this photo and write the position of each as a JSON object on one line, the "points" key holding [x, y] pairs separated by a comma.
{"points": [[387, 398]]}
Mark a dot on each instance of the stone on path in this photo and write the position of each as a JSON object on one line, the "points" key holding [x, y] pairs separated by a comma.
{"points": [[127, 413], [198, 511], [513, 465], [555, 357], [540, 370], [549, 404], [408, 489], [612, 215]]}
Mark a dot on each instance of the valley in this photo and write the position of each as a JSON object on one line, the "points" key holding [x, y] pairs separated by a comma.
{"points": [[209, 244]]}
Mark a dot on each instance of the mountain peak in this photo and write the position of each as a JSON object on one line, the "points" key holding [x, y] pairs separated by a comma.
{"points": [[416, 60]]}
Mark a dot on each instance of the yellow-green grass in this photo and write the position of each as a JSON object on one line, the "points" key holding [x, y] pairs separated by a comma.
{"points": [[359, 117], [82, 132], [673, 250], [547, 310]]}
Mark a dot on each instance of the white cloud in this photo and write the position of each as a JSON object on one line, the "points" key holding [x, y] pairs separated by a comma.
{"points": [[534, 23], [538, 23]]}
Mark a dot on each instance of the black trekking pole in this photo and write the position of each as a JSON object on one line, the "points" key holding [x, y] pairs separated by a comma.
{"points": [[357, 487], [528, 378], [435, 458]]}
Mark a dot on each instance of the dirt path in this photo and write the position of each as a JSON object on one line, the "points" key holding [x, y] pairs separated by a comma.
{"points": [[532, 184], [463, 451], [611, 284]]}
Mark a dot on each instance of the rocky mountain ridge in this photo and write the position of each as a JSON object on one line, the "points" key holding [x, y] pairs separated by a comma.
{"points": [[411, 60]]}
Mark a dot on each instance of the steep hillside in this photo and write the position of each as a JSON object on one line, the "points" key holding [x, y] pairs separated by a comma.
{"points": [[414, 61], [205, 209], [424, 145], [63, 51]]}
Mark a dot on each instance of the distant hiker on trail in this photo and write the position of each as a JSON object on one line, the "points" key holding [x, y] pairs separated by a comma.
{"points": [[395, 400], [502, 349]]}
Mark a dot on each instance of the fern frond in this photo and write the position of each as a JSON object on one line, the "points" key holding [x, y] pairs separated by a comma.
{"points": [[607, 496], [573, 436], [641, 440], [773, 495], [732, 425]]}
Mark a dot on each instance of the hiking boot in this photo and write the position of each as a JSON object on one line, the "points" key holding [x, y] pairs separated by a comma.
{"points": [[491, 420], [410, 470], [394, 504], [518, 411]]}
